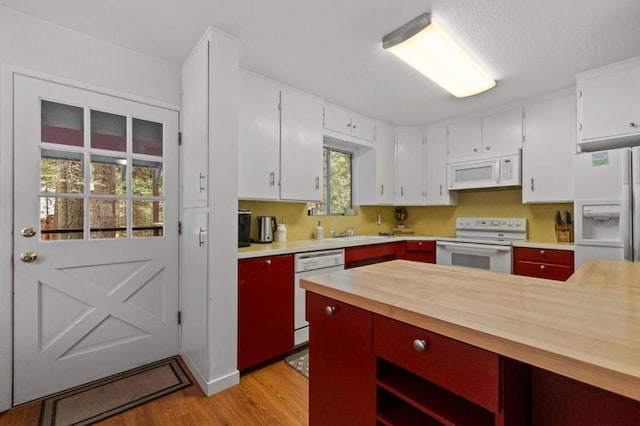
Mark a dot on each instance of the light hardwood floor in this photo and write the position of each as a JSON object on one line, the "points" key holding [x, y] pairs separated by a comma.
{"points": [[273, 395]]}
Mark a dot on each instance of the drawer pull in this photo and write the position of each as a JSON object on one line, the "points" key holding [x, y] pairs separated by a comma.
{"points": [[541, 252], [330, 310], [267, 262], [542, 267], [419, 345]]}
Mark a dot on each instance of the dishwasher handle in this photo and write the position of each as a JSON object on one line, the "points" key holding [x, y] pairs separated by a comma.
{"points": [[485, 247]]}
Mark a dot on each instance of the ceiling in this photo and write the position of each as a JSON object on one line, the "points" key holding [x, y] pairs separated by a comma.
{"points": [[332, 48]]}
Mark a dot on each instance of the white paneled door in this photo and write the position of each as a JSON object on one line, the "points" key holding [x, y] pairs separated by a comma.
{"points": [[95, 236]]}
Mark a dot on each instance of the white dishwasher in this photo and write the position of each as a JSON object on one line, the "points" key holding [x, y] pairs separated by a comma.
{"points": [[307, 264]]}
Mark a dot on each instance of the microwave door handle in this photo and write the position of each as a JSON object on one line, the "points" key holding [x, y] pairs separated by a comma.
{"points": [[484, 247]]}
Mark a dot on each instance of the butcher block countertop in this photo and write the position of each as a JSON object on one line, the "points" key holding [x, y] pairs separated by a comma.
{"points": [[587, 329]]}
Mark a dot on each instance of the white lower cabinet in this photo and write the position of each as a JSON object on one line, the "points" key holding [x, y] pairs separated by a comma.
{"points": [[548, 149], [376, 168], [435, 162], [409, 166]]}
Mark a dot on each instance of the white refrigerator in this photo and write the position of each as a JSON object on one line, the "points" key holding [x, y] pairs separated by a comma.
{"points": [[607, 205]]}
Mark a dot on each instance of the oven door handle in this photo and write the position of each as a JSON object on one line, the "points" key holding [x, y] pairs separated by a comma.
{"points": [[485, 247]]}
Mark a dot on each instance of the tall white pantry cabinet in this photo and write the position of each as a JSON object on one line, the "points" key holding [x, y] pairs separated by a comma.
{"points": [[208, 244]]}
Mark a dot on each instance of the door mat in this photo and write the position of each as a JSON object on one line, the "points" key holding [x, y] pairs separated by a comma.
{"points": [[300, 362], [94, 402]]}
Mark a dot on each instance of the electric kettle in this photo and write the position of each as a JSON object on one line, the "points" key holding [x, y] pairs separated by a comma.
{"points": [[266, 228]]}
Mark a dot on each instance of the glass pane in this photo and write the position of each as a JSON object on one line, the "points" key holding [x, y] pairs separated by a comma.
{"points": [[339, 169], [108, 218], [61, 218], [147, 178], [62, 124], [147, 137], [108, 131], [61, 172], [108, 175], [148, 218]]}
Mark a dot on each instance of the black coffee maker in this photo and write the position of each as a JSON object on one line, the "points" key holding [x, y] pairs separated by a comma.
{"points": [[244, 228]]}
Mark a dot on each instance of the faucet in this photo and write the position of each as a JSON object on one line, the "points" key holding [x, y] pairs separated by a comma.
{"points": [[349, 232]]}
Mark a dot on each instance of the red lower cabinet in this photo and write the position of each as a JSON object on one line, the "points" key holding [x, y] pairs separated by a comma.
{"points": [[374, 253], [420, 251], [342, 384], [265, 309], [367, 369], [543, 263], [558, 400]]}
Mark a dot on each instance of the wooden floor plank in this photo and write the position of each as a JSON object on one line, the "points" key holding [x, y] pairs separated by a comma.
{"points": [[273, 395]]}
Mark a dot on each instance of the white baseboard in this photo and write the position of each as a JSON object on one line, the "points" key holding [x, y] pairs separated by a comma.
{"points": [[210, 387]]}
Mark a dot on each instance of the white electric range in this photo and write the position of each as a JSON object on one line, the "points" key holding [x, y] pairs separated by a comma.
{"points": [[482, 242]]}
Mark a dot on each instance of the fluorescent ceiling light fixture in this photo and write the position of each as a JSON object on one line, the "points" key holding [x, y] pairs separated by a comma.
{"points": [[428, 48]]}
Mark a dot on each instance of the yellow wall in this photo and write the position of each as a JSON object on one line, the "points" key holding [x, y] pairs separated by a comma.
{"points": [[432, 221]]}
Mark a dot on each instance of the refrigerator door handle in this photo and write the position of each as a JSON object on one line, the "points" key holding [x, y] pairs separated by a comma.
{"points": [[635, 199]]}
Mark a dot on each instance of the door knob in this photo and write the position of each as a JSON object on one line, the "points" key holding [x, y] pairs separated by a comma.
{"points": [[28, 256], [28, 232]]}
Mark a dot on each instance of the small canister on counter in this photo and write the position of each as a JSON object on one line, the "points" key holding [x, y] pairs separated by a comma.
{"points": [[281, 233]]}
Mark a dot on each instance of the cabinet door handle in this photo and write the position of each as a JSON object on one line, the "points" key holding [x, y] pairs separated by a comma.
{"points": [[201, 182], [201, 233], [541, 252], [330, 310], [420, 243], [419, 345], [402, 191], [487, 148], [354, 126], [382, 189], [633, 124], [267, 262], [475, 149], [441, 190], [317, 182], [532, 185], [542, 267], [272, 179], [348, 124]]}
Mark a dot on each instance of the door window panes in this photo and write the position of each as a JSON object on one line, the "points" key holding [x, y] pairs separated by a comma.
{"points": [[108, 218], [61, 172], [61, 124], [147, 137], [108, 131], [147, 178], [108, 175], [148, 218], [61, 218]]}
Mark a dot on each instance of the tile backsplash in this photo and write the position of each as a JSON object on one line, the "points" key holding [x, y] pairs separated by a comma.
{"points": [[432, 221]]}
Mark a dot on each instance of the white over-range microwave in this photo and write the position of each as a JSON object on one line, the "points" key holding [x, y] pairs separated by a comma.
{"points": [[486, 173]]}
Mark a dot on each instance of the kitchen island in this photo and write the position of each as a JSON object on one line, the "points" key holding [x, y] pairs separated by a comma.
{"points": [[586, 331]]}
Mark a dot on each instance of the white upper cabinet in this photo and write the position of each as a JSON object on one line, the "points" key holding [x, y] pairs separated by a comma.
{"points": [[502, 132], [488, 136], [301, 146], [435, 152], [279, 140], [409, 166], [195, 125], [258, 138], [349, 123], [376, 168], [465, 138], [547, 154], [609, 105]]}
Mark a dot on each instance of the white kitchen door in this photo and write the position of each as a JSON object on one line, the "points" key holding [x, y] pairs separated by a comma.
{"points": [[95, 236]]}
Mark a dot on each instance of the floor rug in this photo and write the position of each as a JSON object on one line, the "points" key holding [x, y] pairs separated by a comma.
{"points": [[105, 398], [300, 362]]}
